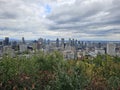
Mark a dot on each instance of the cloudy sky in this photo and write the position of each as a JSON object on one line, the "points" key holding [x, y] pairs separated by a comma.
{"points": [[80, 19]]}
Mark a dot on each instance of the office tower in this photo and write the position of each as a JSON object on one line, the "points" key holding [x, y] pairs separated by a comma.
{"points": [[23, 40], [79, 42], [40, 40], [76, 42], [57, 42], [99, 45], [70, 42], [73, 42], [111, 49], [40, 43], [1, 42], [48, 42], [62, 41], [6, 41], [14, 45], [44, 43]]}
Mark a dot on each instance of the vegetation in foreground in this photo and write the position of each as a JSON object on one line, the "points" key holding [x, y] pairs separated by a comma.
{"points": [[52, 72]]}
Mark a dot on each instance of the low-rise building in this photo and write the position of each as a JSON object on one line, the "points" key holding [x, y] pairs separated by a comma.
{"points": [[7, 50], [111, 49], [23, 47], [100, 51], [69, 54]]}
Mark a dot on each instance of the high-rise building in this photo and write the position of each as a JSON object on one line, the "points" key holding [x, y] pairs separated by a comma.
{"points": [[40, 40], [57, 42], [40, 43], [23, 40], [76, 42], [48, 42], [6, 41], [62, 41], [70, 42], [1, 42], [14, 45], [99, 45], [111, 49]]}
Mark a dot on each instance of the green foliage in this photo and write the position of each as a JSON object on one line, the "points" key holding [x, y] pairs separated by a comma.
{"points": [[114, 82], [51, 72], [70, 78], [49, 61], [8, 68]]}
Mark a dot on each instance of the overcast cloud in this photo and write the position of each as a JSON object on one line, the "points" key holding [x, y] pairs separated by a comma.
{"points": [[80, 19]]}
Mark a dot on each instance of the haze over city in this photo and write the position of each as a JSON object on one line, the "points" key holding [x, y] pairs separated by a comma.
{"points": [[79, 19]]}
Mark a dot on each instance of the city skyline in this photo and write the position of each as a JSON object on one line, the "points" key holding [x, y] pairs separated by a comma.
{"points": [[79, 19]]}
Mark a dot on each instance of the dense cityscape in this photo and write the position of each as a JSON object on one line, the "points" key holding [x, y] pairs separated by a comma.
{"points": [[59, 64], [71, 49], [59, 44]]}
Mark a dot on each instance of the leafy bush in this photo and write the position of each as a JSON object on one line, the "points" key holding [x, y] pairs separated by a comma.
{"points": [[51, 72]]}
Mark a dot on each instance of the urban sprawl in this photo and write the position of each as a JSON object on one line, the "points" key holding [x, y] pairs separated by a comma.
{"points": [[71, 48]]}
